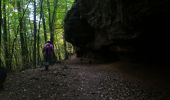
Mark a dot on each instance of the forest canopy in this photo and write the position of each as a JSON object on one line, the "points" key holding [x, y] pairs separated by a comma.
{"points": [[25, 26]]}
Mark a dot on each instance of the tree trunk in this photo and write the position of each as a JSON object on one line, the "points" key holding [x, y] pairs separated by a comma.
{"points": [[38, 33], [49, 19], [0, 32], [43, 20], [53, 20], [44, 27], [9, 39], [65, 50], [38, 46], [35, 32], [22, 39], [25, 43], [5, 38], [31, 42], [65, 44]]}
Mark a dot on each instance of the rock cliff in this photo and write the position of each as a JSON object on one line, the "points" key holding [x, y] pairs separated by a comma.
{"points": [[110, 26]]}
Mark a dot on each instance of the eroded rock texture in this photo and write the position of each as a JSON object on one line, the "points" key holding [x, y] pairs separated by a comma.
{"points": [[108, 26]]}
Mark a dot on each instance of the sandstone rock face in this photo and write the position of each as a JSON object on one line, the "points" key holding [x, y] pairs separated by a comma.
{"points": [[96, 24]]}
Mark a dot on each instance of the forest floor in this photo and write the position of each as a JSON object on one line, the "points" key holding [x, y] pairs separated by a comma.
{"points": [[76, 79]]}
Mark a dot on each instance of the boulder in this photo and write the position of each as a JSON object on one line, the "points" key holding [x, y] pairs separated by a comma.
{"points": [[107, 25]]}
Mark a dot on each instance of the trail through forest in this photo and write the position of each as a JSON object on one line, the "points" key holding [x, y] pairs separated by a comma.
{"points": [[78, 80]]}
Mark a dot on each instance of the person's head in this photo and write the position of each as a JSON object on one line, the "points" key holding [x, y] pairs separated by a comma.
{"points": [[49, 42]]}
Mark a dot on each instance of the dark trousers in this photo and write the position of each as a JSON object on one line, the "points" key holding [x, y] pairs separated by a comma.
{"points": [[47, 59]]}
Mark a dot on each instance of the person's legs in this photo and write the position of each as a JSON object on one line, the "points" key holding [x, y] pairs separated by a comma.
{"points": [[46, 62]]}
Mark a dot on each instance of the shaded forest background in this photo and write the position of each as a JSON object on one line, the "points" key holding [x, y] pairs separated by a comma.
{"points": [[25, 26]]}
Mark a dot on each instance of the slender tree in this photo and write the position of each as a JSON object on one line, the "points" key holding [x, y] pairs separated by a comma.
{"points": [[53, 20], [9, 36], [21, 31], [35, 33], [44, 27], [5, 37], [43, 20], [49, 19], [38, 33], [0, 32], [31, 42], [65, 44]]}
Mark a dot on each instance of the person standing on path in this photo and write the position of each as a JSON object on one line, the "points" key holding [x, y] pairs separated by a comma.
{"points": [[48, 51]]}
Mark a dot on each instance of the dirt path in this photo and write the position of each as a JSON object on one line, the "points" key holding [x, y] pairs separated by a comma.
{"points": [[77, 81]]}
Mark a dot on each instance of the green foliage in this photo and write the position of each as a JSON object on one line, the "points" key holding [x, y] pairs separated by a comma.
{"points": [[26, 15]]}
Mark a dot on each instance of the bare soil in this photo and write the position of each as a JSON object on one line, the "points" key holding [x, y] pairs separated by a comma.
{"points": [[84, 79]]}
